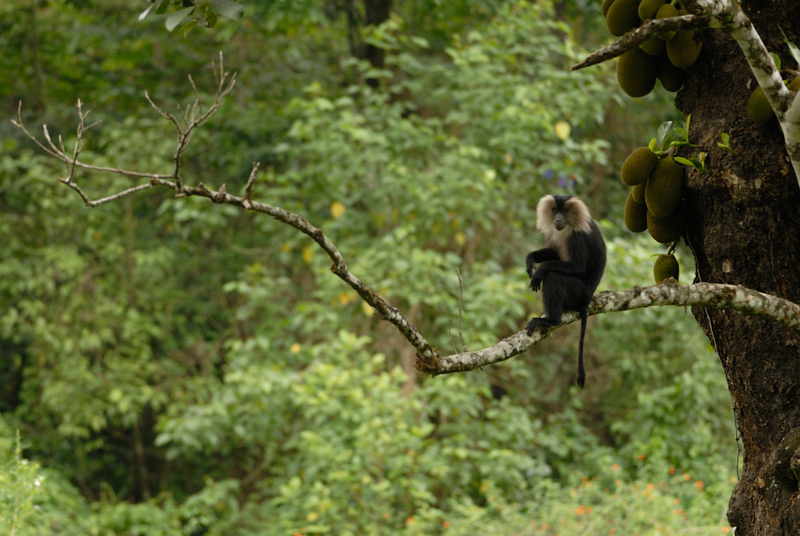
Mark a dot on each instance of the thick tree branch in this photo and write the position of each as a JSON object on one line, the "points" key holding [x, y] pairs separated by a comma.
{"points": [[710, 295], [640, 35]]}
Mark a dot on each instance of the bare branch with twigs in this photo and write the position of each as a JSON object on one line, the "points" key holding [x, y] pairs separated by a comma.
{"points": [[429, 359]]}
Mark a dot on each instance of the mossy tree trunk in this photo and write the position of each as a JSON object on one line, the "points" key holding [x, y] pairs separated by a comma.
{"points": [[744, 228]]}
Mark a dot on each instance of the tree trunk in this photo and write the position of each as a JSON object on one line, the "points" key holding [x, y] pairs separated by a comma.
{"points": [[377, 12], [743, 225]]}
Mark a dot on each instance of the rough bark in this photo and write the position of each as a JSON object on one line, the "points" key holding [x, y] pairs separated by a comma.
{"points": [[743, 224], [377, 12]]}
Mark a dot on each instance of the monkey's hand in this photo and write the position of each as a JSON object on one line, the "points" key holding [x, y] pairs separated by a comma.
{"points": [[536, 281], [529, 265], [530, 262]]}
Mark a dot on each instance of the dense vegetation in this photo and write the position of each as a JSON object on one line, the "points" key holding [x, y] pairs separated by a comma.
{"points": [[169, 366]]}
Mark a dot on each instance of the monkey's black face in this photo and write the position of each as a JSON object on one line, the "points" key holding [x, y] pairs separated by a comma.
{"points": [[559, 220], [560, 211]]}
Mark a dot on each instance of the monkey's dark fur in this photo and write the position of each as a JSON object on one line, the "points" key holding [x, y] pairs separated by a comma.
{"points": [[570, 266]]}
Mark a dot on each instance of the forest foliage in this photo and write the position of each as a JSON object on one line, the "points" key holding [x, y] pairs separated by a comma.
{"points": [[173, 367]]}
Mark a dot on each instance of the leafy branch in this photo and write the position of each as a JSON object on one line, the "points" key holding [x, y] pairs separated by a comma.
{"points": [[665, 143], [191, 14]]}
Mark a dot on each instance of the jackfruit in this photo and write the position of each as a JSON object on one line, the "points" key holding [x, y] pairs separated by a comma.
{"points": [[663, 191], [635, 215], [649, 8], [671, 77], [684, 48], [622, 16], [604, 7], [666, 266], [666, 230], [758, 108], [654, 46], [638, 166], [665, 12], [638, 192], [636, 72]]}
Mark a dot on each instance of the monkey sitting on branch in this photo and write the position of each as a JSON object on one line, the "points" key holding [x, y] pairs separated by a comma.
{"points": [[569, 267]]}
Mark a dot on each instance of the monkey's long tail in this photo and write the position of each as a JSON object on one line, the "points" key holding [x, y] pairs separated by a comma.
{"points": [[581, 375]]}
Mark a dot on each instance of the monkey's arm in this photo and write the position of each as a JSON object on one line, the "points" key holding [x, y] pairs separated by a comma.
{"points": [[562, 267], [581, 247], [539, 256]]}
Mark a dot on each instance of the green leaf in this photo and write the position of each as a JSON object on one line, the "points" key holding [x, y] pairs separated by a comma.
{"points": [[146, 12], [684, 161], [228, 8], [793, 50], [663, 132], [176, 18], [775, 59], [421, 41], [188, 27]]}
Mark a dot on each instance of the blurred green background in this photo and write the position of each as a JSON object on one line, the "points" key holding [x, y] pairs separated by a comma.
{"points": [[173, 367]]}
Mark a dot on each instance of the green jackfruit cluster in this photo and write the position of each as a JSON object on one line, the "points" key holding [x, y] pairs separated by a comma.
{"points": [[758, 109], [635, 215], [663, 191], [654, 202], [636, 72], [637, 166], [622, 16], [666, 266], [662, 57], [665, 12], [649, 8], [666, 230]]}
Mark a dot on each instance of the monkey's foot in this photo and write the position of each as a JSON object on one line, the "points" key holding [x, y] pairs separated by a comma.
{"points": [[532, 325]]}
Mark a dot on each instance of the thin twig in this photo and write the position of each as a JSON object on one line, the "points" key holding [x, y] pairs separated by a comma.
{"points": [[248, 189], [460, 294]]}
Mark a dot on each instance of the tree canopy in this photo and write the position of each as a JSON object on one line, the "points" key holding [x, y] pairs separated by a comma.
{"points": [[172, 365]]}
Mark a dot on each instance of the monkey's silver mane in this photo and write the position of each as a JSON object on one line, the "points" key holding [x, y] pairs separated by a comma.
{"points": [[578, 219]]}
